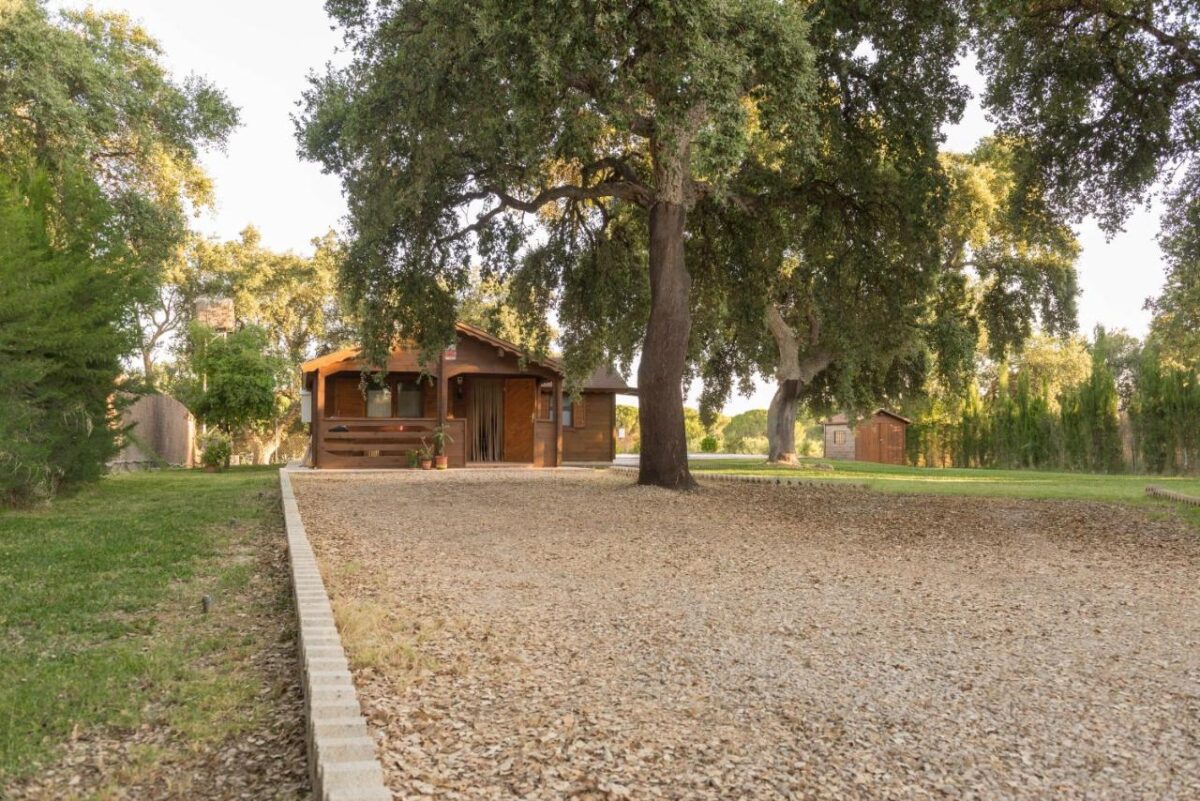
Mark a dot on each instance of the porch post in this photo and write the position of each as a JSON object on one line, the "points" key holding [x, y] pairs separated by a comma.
{"points": [[442, 389], [318, 412], [558, 416]]}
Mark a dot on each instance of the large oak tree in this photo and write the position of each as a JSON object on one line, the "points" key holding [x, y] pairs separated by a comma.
{"points": [[558, 138]]}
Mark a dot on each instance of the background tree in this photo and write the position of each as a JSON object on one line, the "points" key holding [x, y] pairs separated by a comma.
{"points": [[100, 146], [86, 91], [853, 238], [290, 299], [611, 120], [233, 379], [1101, 94], [873, 302]]}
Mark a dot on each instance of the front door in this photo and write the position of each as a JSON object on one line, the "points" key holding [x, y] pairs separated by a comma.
{"points": [[520, 410]]}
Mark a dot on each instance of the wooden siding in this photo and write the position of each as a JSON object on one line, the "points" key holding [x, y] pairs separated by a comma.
{"points": [[591, 437], [839, 450], [543, 443], [880, 439]]}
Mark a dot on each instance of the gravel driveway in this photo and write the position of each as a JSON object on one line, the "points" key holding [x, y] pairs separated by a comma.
{"points": [[583, 637]]}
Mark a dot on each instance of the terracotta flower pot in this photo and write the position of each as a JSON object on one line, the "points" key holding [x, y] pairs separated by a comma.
{"points": [[426, 464], [441, 462]]}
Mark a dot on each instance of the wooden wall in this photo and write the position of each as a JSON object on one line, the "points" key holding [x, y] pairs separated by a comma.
{"points": [[880, 439], [839, 450], [590, 438]]}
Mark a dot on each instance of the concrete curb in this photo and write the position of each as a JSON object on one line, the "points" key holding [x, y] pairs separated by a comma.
{"points": [[341, 753], [1171, 495], [701, 475]]}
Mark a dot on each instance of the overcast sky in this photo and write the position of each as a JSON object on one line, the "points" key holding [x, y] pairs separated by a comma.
{"points": [[259, 52]]}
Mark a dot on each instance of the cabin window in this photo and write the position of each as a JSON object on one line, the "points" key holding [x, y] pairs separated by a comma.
{"points": [[839, 437], [379, 402], [567, 416], [409, 399]]}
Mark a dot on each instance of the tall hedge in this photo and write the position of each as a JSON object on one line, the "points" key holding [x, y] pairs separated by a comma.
{"points": [[60, 343]]}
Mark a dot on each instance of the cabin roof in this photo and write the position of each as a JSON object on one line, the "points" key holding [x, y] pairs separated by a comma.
{"points": [[842, 419], [602, 380]]}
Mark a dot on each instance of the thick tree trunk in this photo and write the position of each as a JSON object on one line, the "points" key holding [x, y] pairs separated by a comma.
{"points": [[793, 373], [781, 422], [664, 354]]}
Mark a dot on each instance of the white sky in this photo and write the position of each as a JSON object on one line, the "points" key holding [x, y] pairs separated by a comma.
{"points": [[259, 52]]}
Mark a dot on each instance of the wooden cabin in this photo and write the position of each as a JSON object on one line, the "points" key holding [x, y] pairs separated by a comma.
{"points": [[497, 408], [877, 438]]}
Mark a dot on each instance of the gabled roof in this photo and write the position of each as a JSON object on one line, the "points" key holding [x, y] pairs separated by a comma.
{"points": [[601, 380], [842, 419]]}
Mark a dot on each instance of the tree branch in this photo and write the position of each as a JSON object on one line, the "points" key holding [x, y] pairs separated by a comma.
{"points": [[633, 192]]}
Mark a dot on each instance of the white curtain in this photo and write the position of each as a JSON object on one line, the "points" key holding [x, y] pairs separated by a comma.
{"points": [[485, 419]]}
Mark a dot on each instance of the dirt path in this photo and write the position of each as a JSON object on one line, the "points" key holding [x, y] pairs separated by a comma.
{"points": [[572, 635]]}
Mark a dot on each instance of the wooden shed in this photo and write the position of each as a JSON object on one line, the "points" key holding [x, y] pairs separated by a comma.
{"points": [[877, 438], [497, 406]]}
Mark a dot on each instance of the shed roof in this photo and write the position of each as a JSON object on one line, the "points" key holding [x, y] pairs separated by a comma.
{"points": [[842, 419]]}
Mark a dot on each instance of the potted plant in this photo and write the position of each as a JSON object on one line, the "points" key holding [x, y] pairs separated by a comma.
{"points": [[217, 450], [426, 456], [414, 459], [440, 437]]}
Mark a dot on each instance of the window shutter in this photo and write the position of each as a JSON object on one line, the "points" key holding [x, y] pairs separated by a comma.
{"points": [[580, 416]]}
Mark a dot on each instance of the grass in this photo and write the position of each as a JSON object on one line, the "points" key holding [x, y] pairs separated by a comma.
{"points": [[958, 481], [100, 605]]}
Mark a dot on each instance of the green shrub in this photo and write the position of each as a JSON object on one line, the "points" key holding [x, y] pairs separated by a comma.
{"points": [[708, 444], [62, 300], [217, 450]]}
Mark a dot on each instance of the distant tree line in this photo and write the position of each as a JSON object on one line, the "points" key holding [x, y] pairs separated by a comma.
{"points": [[1111, 406]]}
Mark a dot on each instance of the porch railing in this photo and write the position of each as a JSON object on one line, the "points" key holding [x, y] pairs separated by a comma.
{"points": [[383, 442]]}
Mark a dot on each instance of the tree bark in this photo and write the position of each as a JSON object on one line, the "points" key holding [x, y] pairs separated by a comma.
{"points": [[781, 422], [793, 373], [663, 461]]}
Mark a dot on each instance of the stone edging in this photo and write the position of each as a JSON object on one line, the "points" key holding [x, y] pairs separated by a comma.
{"points": [[341, 753], [704, 475], [1171, 495]]}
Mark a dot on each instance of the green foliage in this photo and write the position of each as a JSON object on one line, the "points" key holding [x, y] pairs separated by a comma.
{"points": [[87, 92], [1176, 325], [742, 427], [583, 114], [292, 299], [113, 143], [708, 444], [627, 421], [695, 428], [217, 450], [59, 347], [1102, 96], [234, 378], [1165, 412]]}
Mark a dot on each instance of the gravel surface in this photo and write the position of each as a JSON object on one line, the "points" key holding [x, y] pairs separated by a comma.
{"points": [[589, 638]]}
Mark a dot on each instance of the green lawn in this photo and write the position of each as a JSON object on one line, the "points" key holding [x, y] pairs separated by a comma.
{"points": [[995, 483], [100, 606]]}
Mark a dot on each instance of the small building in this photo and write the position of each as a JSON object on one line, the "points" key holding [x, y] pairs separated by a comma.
{"points": [[498, 407], [877, 438], [161, 432]]}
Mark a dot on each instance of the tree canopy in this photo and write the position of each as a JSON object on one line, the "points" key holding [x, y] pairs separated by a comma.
{"points": [[99, 163]]}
